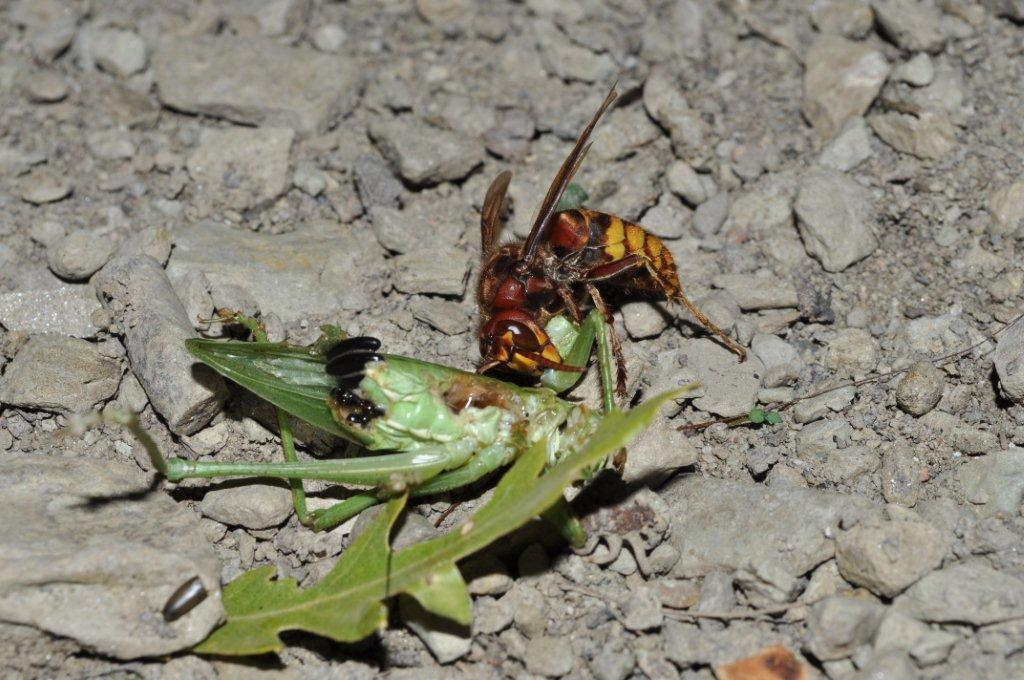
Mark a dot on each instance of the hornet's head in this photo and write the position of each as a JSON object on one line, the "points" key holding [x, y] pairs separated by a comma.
{"points": [[514, 341]]}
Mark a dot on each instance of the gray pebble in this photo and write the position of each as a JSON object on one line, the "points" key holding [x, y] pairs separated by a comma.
{"points": [[46, 232], [730, 388], [1009, 362], [643, 319], [657, 453], [823, 436], [717, 593], [918, 71], [667, 104], [111, 144], [375, 183], [994, 483], [46, 87], [548, 657], [486, 575], [122, 53], [710, 215], [642, 611], [841, 80], [424, 272], [259, 81], [80, 254], [612, 664], [914, 26], [109, 565], [137, 290], [41, 187], [242, 168], [834, 215], [900, 476], [424, 155], [446, 316], [920, 388], [63, 310], [329, 38], [933, 647], [774, 351], [445, 639], [253, 506], [893, 664], [849, 18], [971, 592], [838, 625], [853, 352], [491, 616], [1006, 206], [850, 148], [816, 408], [668, 219], [888, 557], [60, 374], [687, 184], [568, 60], [767, 583], [758, 291], [309, 179], [929, 135]]}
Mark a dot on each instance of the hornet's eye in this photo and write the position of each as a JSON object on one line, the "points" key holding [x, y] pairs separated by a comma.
{"points": [[347, 359], [522, 336]]}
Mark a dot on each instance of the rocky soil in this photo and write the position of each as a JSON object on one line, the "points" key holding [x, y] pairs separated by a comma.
{"points": [[841, 183]]}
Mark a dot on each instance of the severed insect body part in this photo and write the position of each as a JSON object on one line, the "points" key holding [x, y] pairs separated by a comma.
{"points": [[441, 428], [187, 597], [559, 268]]}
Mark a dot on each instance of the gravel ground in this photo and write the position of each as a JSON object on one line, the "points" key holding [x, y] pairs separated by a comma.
{"points": [[841, 183]]}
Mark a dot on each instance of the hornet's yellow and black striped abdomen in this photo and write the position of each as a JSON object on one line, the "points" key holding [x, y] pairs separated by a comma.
{"points": [[621, 241]]}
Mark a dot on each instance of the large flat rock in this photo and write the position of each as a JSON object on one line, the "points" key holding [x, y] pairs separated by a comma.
{"points": [[725, 525], [255, 81], [91, 553], [322, 269]]}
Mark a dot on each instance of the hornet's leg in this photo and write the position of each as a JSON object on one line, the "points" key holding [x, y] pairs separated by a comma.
{"points": [[669, 288]]}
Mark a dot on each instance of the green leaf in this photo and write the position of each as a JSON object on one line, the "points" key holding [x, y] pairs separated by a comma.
{"points": [[348, 604], [772, 418], [291, 378], [756, 416], [259, 608], [573, 197]]}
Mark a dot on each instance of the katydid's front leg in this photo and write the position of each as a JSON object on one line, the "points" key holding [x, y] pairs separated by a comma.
{"points": [[574, 343]]}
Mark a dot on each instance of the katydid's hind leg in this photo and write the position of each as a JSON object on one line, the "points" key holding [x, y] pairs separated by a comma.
{"points": [[298, 490], [620, 362], [342, 511]]}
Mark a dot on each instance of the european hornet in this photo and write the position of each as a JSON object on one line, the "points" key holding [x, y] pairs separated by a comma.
{"points": [[567, 256]]}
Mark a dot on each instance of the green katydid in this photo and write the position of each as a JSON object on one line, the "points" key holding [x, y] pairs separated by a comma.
{"points": [[444, 428]]}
